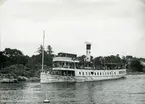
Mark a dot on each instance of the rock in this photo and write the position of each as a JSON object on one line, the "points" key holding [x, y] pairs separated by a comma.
{"points": [[8, 80], [22, 78], [34, 79]]}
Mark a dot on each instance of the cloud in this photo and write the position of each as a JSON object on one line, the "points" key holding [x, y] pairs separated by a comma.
{"points": [[112, 26]]}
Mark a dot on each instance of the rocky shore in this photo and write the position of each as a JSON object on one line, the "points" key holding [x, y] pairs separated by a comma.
{"points": [[12, 79]]}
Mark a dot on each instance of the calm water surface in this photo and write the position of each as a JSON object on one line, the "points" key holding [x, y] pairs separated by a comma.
{"points": [[130, 90]]}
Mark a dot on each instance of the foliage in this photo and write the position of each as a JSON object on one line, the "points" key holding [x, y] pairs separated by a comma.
{"points": [[15, 63], [3, 59], [40, 49], [107, 59], [15, 70], [12, 52], [82, 58], [14, 56], [135, 65], [49, 50]]}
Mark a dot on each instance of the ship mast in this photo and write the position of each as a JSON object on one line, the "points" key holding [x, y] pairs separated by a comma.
{"points": [[43, 51]]}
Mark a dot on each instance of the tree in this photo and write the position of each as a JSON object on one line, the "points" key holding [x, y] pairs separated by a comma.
{"points": [[36, 60], [12, 52], [124, 60], [49, 50], [14, 56], [40, 49], [135, 65], [97, 60], [129, 57], [3, 59], [118, 59], [82, 58]]}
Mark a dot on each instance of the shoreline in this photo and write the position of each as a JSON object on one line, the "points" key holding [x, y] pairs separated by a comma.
{"points": [[18, 79], [135, 73], [4, 79]]}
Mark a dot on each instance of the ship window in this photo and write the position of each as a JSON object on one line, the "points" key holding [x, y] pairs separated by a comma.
{"points": [[100, 73], [80, 73], [97, 73], [83, 73], [92, 73]]}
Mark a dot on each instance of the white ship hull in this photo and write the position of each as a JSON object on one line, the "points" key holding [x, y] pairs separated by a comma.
{"points": [[83, 75]]}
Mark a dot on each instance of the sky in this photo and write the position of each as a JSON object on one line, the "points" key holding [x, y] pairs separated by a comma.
{"points": [[112, 26]]}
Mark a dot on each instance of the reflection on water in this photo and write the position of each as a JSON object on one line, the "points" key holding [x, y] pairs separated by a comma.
{"points": [[130, 90]]}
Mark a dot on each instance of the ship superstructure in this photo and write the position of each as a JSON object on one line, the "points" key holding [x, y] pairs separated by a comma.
{"points": [[68, 68]]}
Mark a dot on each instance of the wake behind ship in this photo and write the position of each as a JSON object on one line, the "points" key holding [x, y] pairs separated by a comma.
{"points": [[67, 68]]}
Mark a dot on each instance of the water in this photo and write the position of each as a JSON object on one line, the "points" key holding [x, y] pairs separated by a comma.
{"points": [[129, 90]]}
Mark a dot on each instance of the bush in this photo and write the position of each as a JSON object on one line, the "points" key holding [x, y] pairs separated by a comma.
{"points": [[135, 65], [15, 70]]}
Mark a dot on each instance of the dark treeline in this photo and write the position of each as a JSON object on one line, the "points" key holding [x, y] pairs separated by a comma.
{"points": [[14, 62], [132, 64]]}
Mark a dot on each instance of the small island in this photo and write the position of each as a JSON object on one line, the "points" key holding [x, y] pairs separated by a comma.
{"points": [[16, 67]]}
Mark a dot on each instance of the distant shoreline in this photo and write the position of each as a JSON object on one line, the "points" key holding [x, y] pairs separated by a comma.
{"points": [[34, 79], [19, 79], [135, 73]]}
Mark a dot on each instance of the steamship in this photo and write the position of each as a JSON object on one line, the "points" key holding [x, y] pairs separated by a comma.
{"points": [[67, 68]]}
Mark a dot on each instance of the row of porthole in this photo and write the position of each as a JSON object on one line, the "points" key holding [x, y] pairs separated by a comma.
{"points": [[97, 73]]}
